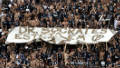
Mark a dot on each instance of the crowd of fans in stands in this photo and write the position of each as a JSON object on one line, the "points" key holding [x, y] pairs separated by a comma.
{"points": [[59, 13]]}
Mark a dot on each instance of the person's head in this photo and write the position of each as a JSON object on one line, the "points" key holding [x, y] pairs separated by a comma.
{"points": [[67, 51]]}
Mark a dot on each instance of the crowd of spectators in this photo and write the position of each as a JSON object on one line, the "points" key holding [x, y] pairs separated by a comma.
{"points": [[59, 13], [45, 55]]}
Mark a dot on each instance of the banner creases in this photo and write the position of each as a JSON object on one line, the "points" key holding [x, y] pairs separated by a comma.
{"points": [[59, 35]]}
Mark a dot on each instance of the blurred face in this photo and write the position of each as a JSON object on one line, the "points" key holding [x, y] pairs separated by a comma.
{"points": [[50, 18], [9, 19], [119, 41], [59, 50], [3, 19], [16, 18], [67, 51]]}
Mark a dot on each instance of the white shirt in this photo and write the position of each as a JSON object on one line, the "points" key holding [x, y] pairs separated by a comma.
{"points": [[2, 14], [0, 2], [44, 6], [11, 1], [115, 24], [0, 30], [102, 63], [17, 56]]}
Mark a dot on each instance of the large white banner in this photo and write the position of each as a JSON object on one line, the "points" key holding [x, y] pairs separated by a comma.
{"points": [[59, 35]]}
